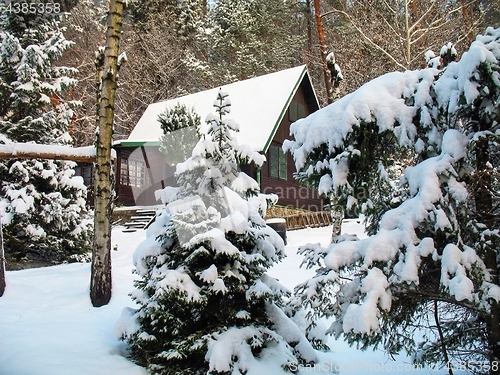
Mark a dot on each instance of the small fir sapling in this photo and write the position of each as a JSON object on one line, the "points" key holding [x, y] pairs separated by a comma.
{"points": [[206, 303]]}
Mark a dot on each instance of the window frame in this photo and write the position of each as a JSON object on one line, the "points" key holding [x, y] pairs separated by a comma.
{"points": [[296, 111], [133, 172], [278, 163]]}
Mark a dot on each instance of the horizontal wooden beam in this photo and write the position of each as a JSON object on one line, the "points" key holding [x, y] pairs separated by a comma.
{"points": [[36, 151]]}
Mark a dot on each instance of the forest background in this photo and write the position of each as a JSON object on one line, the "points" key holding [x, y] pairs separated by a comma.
{"points": [[178, 47]]}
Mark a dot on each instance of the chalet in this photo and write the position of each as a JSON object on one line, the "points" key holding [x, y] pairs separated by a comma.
{"points": [[264, 107]]}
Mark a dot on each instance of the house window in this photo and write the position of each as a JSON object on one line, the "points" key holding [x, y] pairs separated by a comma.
{"points": [[296, 111], [85, 170], [277, 163], [133, 172]]}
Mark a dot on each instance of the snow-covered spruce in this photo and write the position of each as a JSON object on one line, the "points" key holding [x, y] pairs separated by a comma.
{"points": [[256, 37], [181, 131], [433, 238], [206, 302], [42, 202]]}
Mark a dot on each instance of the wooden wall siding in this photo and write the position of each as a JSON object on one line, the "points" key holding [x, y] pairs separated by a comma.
{"points": [[158, 174], [290, 192]]}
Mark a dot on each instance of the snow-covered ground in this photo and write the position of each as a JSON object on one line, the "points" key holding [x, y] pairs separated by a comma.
{"points": [[49, 327]]}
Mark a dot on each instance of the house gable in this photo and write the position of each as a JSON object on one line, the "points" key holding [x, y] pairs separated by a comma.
{"points": [[258, 106], [276, 175], [264, 107]]}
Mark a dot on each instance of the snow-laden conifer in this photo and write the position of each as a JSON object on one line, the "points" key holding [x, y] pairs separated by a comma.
{"points": [[434, 236], [206, 304], [43, 203], [181, 132]]}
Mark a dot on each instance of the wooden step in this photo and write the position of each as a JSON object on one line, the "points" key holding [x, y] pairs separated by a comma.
{"points": [[135, 224], [141, 218], [145, 212]]}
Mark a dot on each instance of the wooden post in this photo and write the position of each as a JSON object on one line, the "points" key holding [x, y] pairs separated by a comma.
{"points": [[100, 283]]}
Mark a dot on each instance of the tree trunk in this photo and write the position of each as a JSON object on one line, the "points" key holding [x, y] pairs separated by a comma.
{"points": [[493, 326], [441, 337], [415, 16], [484, 206], [100, 283], [467, 21], [2, 261], [337, 215], [407, 35], [324, 51], [309, 27], [337, 218]]}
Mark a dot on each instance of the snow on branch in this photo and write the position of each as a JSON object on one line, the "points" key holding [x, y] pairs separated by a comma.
{"points": [[427, 233]]}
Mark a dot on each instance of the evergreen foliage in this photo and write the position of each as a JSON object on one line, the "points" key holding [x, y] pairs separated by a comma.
{"points": [[206, 304], [182, 16], [181, 132], [43, 203], [245, 39], [434, 235]]}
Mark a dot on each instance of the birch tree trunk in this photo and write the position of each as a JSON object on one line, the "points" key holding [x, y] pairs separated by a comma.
{"points": [[337, 216], [100, 283]]}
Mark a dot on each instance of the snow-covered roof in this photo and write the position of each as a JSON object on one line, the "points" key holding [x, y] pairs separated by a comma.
{"points": [[258, 106]]}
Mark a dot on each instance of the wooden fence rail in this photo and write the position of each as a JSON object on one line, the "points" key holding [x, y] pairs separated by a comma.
{"points": [[308, 220]]}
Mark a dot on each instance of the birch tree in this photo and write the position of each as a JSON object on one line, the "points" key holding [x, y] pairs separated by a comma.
{"points": [[108, 62]]}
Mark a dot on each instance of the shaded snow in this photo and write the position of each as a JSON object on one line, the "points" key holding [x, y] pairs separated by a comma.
{"points": [[49, 326]]}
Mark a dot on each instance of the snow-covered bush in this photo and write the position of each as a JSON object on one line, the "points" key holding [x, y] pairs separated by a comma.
{"points": [[438, 238], [41, 201], [206, 304]]}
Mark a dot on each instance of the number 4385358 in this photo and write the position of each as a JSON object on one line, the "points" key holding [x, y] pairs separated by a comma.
{"points": [[33, 8]]}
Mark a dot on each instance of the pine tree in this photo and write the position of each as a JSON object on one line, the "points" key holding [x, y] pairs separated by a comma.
{"points": [[206, 304], [43, 203], [435, 237], [244, 39], [181, 132]]}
